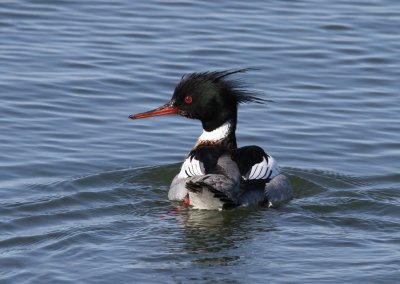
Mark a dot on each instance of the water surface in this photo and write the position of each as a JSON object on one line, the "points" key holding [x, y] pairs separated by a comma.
{"points": [[83, 189]]}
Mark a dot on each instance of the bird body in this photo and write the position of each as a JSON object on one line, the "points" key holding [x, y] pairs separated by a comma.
{"points": [[216, 174]]}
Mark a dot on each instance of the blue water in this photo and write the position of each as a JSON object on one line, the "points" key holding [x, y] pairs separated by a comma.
{"points": [[83, 189]]}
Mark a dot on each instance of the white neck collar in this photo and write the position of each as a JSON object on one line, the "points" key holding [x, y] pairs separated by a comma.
{"points": [[217, 134]]}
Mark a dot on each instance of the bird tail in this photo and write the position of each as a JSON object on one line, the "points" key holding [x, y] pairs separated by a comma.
{"points": [[211, 192]]}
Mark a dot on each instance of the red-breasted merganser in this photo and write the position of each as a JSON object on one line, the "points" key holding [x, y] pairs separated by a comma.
{"points": [[216, 174]]}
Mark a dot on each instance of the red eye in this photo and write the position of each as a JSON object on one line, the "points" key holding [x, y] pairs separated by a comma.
{"points": [[188, 99]]}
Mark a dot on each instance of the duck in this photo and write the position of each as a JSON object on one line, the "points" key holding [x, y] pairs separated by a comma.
{"points": [[216, 174]]}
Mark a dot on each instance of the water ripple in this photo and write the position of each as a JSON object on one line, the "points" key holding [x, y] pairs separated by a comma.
{"points": [[84, 189]]}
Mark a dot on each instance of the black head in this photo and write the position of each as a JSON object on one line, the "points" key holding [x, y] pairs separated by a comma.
{"points": [[211, 97]]}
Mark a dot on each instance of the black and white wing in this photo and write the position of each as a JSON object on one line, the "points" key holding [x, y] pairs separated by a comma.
{"points": [[191, 167], [255, 164], [266, 169]]}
